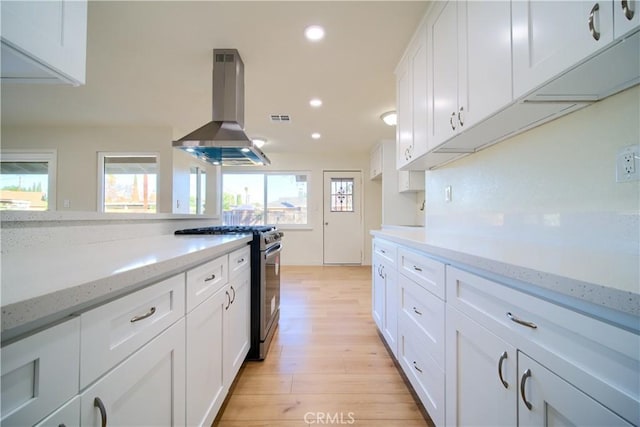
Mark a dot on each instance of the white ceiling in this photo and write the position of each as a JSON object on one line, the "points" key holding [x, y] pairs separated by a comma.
{"points": [[150, 64]]}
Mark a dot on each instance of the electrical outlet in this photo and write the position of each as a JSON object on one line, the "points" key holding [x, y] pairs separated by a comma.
{"points": [[628, 164], [447, 194]]}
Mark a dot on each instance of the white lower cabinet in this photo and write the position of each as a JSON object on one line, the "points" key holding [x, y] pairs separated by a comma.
{"points": [[148, 388], [385, 292], [39, 374], [205, 370], [68, 415], [482, 383], [237, 325]]}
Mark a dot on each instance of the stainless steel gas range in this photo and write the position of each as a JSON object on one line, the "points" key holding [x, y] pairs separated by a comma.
{"points": [[266, 247]]}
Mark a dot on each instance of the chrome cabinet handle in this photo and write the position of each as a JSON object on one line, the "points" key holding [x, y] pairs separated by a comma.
{"points": [[521, 322], [228, 300], [592, 27], [503, 357], [62, 425], [149, 313], [417, 268], [460, 117], [451, 121], [234, 295], [240, 261], [415, 366], [415, 310], [383, 251], [213, 276], [526, 374], [97, 403], [628, 12]]}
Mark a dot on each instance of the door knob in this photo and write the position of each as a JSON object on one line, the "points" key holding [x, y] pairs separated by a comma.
{"points": [[326, 223]]}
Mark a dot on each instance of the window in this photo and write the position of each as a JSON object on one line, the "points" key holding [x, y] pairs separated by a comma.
{"points": [[341, 194], [128, 182], [197, 190], [245, 196], [27, 180]]}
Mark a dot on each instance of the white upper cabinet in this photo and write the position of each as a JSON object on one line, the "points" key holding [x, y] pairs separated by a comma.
{"points": [[44, 41], [375, 162], [411, 74], [470, 51], [596, 42], [626, 17]]}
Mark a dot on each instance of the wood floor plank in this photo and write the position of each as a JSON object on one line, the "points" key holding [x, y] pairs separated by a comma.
{"points": [[326, 364]]}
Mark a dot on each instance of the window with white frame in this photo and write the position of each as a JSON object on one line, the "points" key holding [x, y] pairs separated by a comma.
{"points": [[265, 198], [197, 190], [28, 180], [128, 182]]}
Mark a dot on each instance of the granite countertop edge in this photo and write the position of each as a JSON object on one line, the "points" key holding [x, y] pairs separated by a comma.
{"points": [[27, 316], [618, 307]]}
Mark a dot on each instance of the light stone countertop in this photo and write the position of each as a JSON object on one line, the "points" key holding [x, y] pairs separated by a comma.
{"points": [[42, 287], [615, 306]]}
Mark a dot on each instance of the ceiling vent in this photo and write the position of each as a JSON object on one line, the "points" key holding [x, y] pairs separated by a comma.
{"points": [[280, 118]]}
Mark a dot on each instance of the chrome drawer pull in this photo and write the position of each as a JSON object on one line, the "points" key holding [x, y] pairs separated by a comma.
{"points": [[241, 260], [592, 27], [383, 251], [628, 12], [525, 375], [213, 276], [97, 403], [415, 310], [415, 365], [417, 268], [149, 313], [503, 357], [521, 322]]}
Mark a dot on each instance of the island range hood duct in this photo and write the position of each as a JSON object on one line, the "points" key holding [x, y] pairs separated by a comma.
{"points": [[222, 141]]}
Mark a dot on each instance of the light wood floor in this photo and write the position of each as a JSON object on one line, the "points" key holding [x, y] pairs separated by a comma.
{"points": [[327, 364]]}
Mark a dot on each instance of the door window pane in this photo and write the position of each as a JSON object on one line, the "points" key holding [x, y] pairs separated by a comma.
{"points": [[130, 184], [341, 195], [24, 185]]}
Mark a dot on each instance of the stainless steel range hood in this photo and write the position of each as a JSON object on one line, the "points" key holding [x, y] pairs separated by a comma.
{"points": [[222, 140]]}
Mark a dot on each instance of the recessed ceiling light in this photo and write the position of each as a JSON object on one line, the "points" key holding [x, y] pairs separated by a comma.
{"points": [[259, 142], [315, 135], [390, 118], [190, 150], [315, 102], [245, 150], [314, 33]]}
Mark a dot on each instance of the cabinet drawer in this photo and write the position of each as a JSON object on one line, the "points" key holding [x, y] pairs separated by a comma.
{"points": [[40, 373], [239, 260], [113, 331], [205, 280], [424, 312], [425, 376], [67, 416], [386, 250], [427, 272], [598, 358]]}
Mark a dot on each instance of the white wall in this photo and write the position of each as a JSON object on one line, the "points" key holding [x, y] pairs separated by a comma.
{"points": [[304, 246], [547, 199], [77, 163]]}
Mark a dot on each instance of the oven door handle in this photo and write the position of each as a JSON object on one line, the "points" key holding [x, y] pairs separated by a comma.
{"points": [[273, 249]]}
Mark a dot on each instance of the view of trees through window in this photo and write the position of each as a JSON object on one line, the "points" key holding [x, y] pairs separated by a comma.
{"points": [[24, 185], [130, 184], [245, 196]]}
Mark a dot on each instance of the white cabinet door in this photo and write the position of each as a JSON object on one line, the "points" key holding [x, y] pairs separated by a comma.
{"points": [[67, 415], [484, 59], [404, 127], [237, 325], [147, 389], [44, 41], [550, 37], [418, 61], [481, 381], [548, 400], [410, 181], [390, 317], [377, 293], [443, 43], [626, 17], [39, 373], [375, 162], [205, 379]]}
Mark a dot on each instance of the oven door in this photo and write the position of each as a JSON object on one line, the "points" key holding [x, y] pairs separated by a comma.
{"points": [[270, 289]]}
